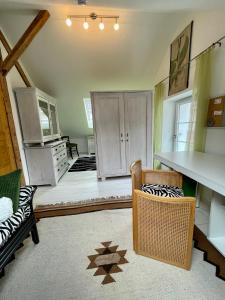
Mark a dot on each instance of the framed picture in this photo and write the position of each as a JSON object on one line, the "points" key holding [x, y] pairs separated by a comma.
{"points": [[180, 51]]}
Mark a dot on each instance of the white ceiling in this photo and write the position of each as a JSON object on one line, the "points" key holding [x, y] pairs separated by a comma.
{"points": [[143, 5], [69, 62]]}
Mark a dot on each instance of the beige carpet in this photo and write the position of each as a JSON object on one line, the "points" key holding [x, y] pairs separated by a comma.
{"points": [[56, 269]]}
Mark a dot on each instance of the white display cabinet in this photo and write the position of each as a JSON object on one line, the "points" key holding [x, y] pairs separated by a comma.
{"points": [[38, 115]]}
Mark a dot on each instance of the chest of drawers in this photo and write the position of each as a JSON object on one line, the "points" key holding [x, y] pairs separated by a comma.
{"points": [[47, 164]]}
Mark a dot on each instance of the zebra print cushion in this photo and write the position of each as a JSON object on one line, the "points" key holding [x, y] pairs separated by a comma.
{"points": [[163, 190], [8, 227]]}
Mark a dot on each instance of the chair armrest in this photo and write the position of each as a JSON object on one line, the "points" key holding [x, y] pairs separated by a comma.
{"points": [[26, 196], [136, 175]]}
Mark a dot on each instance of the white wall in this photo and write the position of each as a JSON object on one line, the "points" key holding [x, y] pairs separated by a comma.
{"points": [[208, 27], [81, 143], [68, 63], [14, 80]]}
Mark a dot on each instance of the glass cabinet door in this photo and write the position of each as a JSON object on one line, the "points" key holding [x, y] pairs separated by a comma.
{"points": [[54, 119], [44, 118]]}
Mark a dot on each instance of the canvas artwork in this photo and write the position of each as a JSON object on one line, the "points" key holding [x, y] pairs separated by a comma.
{"points": [[180, 51]]}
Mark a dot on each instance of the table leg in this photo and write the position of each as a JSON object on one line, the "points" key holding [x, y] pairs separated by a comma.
{"points": [[197, 195]]}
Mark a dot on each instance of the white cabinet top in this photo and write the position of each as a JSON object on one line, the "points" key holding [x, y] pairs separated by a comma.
{"points": [[47, 145], [35, 91], [207, 169]]}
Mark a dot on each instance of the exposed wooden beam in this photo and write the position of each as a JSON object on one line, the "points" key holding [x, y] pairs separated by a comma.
{"points": [[9, 147], [11, 126], [25, 40], [17, 64]]}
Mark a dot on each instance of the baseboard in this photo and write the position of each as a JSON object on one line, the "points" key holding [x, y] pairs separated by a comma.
{"points": [[73, 209]]}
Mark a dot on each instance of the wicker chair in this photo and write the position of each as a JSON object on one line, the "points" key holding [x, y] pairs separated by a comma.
{"points": [[162, 226]]}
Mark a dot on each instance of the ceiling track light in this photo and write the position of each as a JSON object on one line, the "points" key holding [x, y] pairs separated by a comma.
{"points": [[93, 16]]}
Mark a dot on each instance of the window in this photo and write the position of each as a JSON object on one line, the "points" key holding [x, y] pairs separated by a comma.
{"points": [[88, 110], [183, 125]]}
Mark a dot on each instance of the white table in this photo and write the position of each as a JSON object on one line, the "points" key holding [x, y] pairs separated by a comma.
{"points": [[209, 170]]}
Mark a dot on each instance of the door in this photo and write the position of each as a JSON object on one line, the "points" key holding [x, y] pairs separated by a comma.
{"points": [[7, 158], [108, 111], [138, 128]]}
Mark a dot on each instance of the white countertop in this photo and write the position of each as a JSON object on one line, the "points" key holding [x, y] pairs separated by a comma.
{"points": [[207, 169]]}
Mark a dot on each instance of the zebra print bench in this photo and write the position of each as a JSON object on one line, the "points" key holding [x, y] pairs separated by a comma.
{"points": [[15, 229]]}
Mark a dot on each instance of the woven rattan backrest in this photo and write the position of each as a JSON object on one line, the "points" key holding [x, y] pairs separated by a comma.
{"points": [[163, 228], [162, 177]]}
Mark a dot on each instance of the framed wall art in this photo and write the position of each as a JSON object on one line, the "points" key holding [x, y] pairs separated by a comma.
{"points": [[180, 51]]}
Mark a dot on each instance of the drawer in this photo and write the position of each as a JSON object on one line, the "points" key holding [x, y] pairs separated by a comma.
{"points": [[58, 148], [61, 166], [58, 157]]}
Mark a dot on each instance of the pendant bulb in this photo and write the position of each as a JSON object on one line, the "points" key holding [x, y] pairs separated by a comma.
{"points": [[101, 25], [86, 25], [68, 22], [116, 26]]}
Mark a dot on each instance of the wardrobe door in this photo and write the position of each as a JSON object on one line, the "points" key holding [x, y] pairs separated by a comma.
{"points": [[108, 111], [138, 127]]}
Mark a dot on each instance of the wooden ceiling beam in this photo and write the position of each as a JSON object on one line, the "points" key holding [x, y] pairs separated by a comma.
{"points": [[25, 40], [17, 64]]}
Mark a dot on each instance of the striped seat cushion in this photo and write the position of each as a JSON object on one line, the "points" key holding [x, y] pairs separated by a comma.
{"points": [[162, 190], [8, 227]]}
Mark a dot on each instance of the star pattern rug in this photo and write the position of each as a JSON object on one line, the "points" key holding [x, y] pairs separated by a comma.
{"points": [[107, 261]]}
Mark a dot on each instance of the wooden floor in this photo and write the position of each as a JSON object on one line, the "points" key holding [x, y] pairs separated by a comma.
{"points": [[81, 186]]}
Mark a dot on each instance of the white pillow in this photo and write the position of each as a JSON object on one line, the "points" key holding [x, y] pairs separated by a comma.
{"points": [[6, 208]]}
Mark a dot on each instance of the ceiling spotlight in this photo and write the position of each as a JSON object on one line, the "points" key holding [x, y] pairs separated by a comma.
{"points": [[116, 26], [68, 21], [86, 25], [101, 25]]}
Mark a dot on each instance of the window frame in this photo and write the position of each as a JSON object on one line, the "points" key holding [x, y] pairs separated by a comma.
{"points": [[89, 115], [176, 126]]}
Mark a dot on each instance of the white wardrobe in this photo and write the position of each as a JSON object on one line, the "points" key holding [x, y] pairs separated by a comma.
{"points": [[123, 130]]}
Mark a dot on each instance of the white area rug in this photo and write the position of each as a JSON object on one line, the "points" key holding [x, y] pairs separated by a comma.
{"points": [[76, 187], [56, 268]]}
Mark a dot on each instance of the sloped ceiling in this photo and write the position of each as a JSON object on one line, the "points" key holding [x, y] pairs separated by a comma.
{"points": [[70, 62]]}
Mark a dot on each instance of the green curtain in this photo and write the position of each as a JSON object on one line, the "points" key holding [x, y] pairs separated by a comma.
{"points": [[201, 95], [158, 120]]}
